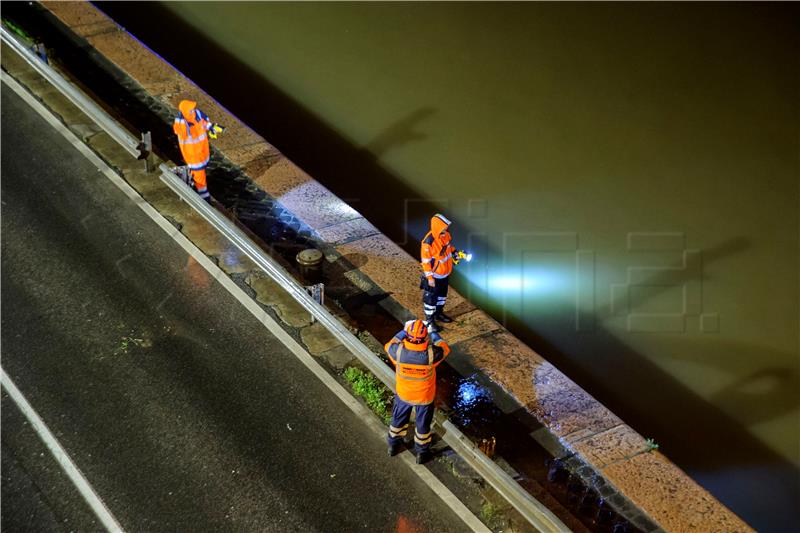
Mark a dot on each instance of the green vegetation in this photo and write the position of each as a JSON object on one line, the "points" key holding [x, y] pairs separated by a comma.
{"points": [[489, 512], [651, 445], [126, 343], [370, 388], [16, 29]]}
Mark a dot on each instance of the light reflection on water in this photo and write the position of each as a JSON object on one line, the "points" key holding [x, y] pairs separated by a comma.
{"points": [[473, 403]]}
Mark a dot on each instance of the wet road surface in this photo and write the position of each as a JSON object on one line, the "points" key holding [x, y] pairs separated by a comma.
{"points": [[180, 409]]}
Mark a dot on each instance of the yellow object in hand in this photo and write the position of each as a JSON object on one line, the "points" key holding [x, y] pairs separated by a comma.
{"points": [[215, 130], [461, 254]]}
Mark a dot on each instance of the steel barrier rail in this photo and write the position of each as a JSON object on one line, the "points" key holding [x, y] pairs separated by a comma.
{"points": [[277, 273], [532, 510], [529, 507], [84, 103]]}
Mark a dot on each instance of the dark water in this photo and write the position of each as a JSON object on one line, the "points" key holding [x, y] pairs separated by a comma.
{"points": [[627, 175]]}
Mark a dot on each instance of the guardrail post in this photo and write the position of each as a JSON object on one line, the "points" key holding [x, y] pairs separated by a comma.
{"points": [[317, 292], [41, 52], [146, 151]]}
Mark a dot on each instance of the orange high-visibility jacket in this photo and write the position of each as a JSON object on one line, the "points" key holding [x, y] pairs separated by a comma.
{"points": [[415, 367], [436, 252], [191, 126]]}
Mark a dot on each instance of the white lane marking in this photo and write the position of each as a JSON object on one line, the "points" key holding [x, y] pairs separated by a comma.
{"points": [[66, 464], [461, 510]]}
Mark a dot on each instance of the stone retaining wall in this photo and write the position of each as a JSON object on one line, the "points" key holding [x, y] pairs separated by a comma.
{"points": [[579, 422]]}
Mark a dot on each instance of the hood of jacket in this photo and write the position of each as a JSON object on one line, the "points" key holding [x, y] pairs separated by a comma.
{"points": [[439, 224], [187, 108]]}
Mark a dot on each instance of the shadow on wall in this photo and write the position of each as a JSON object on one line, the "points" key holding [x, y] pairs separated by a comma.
{"points": [[693, 432], [402, 132], [761, 396]]}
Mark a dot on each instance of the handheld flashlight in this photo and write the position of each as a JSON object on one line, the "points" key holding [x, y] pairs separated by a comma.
{"points": [[461, 254]]}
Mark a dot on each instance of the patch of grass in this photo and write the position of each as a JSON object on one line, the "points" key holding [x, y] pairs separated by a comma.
{"points": [[489, 512], [651, 445], [372, 390], [16, 29]]}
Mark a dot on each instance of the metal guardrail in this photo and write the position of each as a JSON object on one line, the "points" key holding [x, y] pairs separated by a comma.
{"points": [[84, 103], [277, 273], [529, 507], [532, 510]]}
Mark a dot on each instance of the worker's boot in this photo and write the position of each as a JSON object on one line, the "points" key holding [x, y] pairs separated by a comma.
{"points": [[440, 316], [423, 457], [394, 449], [430, 323]]}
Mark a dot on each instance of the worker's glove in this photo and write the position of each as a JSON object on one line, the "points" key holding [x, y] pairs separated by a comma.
{"points": [[444, 346], [461, 254], [215, 130]]}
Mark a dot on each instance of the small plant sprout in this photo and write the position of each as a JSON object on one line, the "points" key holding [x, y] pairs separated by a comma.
{"points": [[489, 511], [651, 445]]}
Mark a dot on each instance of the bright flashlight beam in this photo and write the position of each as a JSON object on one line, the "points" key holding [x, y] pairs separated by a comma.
{"points": [[515, 283], [506, 282]]}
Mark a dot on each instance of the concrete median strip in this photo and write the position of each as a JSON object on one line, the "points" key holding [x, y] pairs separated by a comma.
{"points": [[438, 488]]}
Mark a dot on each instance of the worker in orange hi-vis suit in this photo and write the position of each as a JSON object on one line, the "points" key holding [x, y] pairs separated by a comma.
{"points": [[415, 359], [437, 256], [193, 128]]}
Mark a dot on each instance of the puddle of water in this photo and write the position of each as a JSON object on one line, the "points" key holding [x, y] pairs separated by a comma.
{"points": [[472, 406]]}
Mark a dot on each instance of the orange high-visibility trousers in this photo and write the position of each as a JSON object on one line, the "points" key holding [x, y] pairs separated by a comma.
{"points": [[200, 185]]}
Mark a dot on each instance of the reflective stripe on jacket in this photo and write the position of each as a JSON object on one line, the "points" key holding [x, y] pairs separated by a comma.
{"points": [[415, 367], [193, 140], [436, 252]]}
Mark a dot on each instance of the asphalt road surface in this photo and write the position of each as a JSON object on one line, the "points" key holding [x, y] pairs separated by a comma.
{"points": [[180, 409]]}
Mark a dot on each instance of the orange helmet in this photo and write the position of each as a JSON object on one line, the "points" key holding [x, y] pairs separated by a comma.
{"points": [[417, 331]]}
